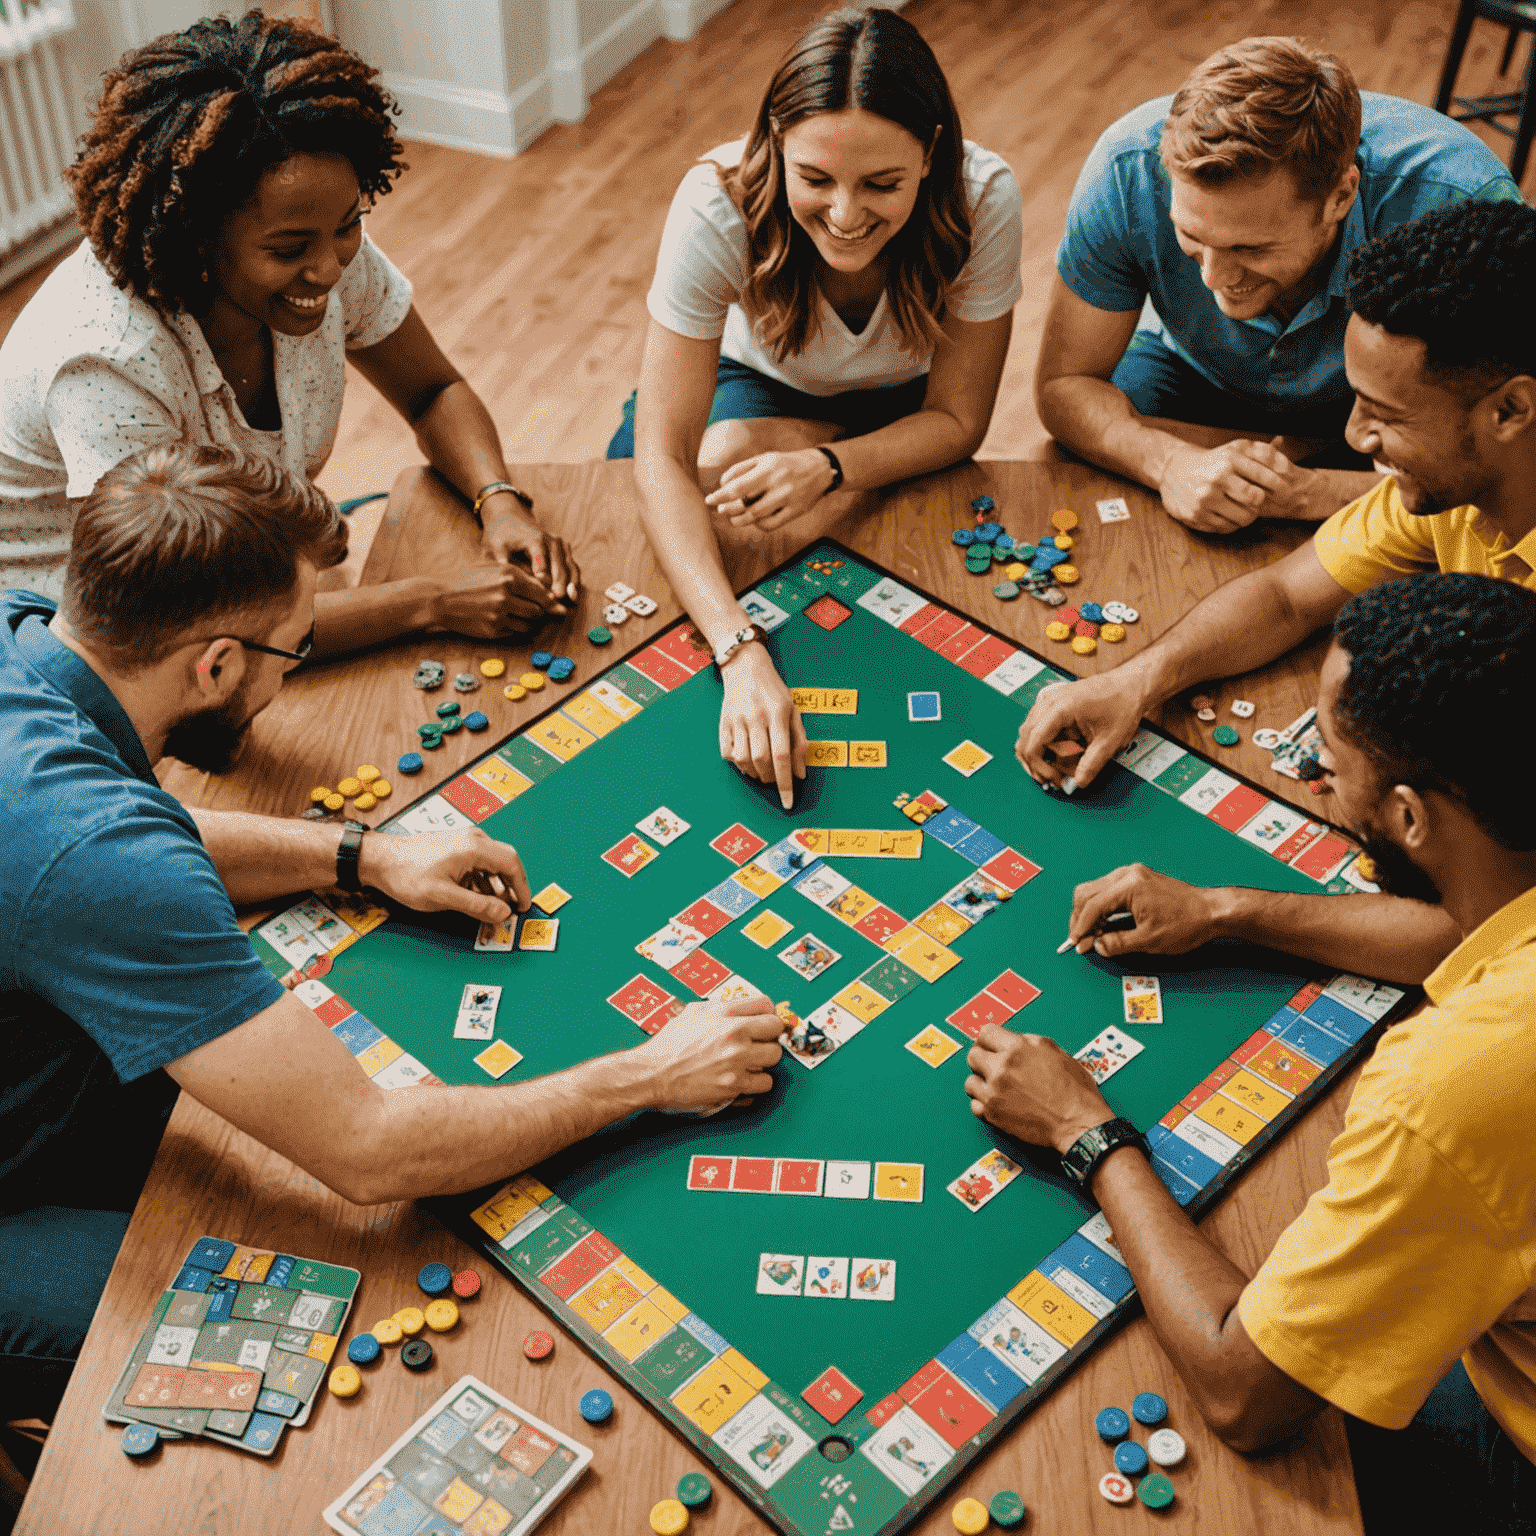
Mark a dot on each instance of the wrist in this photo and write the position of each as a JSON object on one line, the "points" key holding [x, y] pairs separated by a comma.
{"points": [[424, 597], [832, 467], [1069, 1131], [1225, 911], [373, 859], [501, 506]]}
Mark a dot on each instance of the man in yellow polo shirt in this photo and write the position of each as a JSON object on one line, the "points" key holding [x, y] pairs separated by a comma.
{"points": [[1440, 350], [1405, 1292]]}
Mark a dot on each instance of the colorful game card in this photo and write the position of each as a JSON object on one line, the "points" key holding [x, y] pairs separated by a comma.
{"points": [[872, 1280], [866, 754], [1106, 1053], [984, 1180], [1113, 510], [822, 884], [846, 1181], [924, 706], [826, 754], [798, 1176], [1143, 997], [737, 843], [508, 1471], [899, 1181], [551, 898], [630, 856], [709, 1172], [538, 934], [668, 946], [932, 1045], [809, 956], [826, 1277], [663, 826], [967, 758], [766, 929], [780, 1274], [477, 1013], [494, 939], [498, 1058]]}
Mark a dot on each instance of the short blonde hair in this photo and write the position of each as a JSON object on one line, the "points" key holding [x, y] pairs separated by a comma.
{"points": [[1261, 104]]}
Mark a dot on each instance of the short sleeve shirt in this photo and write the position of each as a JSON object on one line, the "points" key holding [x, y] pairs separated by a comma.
{"points": [[91, 373], [1422, 1247], [119, 949], [704, 262], [1119, 247]]}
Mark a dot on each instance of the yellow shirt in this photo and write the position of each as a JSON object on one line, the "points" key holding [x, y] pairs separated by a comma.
{"points": [[1376, 538], [1422, 1247]]}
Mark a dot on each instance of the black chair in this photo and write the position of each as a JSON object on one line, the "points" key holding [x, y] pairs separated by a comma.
{"points": [[1518, 16]]}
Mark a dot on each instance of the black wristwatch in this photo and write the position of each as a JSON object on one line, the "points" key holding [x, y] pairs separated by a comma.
{"points": [[837, 469], [1090, 1149], [348, 855]]}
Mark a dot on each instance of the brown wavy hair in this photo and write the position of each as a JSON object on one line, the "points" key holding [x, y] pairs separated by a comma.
{"points": [[878, 62]]}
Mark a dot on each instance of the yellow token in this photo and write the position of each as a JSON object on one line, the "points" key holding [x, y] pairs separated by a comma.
{"points": [[1067, 574], [1056, 630], [669, 1518], [1084, 645], [442, 1315], [382, 789], [1365, 867], [348, 787], [345, 1381], [410, 1321], [532, 681], [1016, 570], [1114, 633], [514, 691], [1064, 520], [367, 773], [1064, 541], [387, 1331], [333, 802], [364, 802], [493, 666], [318, 793], [970, 1515]]}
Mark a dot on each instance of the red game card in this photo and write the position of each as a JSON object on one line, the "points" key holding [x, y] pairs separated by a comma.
{"points": [[1237, 808], [1009, 869], [982, 1009], [827, 613], [660, 668], [704, 917], [472, 797], [799, 1176], [227, 1389], [333, 1010], [700, 973], [668, 1011], [944, 625], [879, 923], [884, 1409], [964, 639], [687, 647], [639, 998], [710, 1172], [1323, 857], [753, 1175], [987, 657], [1013, 991], [586, 1261], [633, 854], [915, 623], [832, 1395], [918, 1384], [947, 1407], [156, 1386], [738, 844]]}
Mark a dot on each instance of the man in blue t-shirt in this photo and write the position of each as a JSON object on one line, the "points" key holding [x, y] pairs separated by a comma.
{"points": [[1195, 335], [123, 973]]}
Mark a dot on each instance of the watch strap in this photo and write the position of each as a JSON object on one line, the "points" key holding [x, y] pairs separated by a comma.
{"points": [[1080, 1161], [837, 468], [740, 638], [349, 856]]}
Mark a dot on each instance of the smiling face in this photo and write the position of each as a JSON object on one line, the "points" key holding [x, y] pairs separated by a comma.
{"points": [[852, 180], [1259, 244], [280, 253]]}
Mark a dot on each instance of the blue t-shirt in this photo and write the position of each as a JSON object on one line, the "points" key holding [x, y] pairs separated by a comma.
{"points": [[1119, 246], [119, 949]]}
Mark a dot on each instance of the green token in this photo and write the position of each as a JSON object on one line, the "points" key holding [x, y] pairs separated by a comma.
{"points": [[978, 567], [695, 1490], [1007, 1508], [451, 724], [1155, 1491], [1023, 551], [1001, 556], [1226, 736], [447, 710], [1007, 590], [601, 635], [430, 731]]}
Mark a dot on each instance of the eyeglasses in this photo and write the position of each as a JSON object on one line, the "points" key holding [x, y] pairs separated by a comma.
{"points": [[306, 645]]}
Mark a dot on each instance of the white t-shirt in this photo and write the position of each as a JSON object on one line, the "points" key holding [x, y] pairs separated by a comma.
{"points": [[703, 266], [91, 373]]}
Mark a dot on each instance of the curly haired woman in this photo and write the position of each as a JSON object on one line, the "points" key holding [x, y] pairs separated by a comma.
{"points": [[224, 282]]}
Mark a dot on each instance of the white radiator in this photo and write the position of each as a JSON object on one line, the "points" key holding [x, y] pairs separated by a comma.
{"points": [[39, 124]]}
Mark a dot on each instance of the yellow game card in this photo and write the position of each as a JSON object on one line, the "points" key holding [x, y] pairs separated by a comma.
{"points": [[587, 711], [899, 1181], [498, 1058], [901, 845], [826, 754], [851, 843], [967, 758], [807, 700], [933, 1046], [638, 1329], [551, 899], [813, 839], [866, 754], [766, 929], [500, 777], [561, 736], [539, 934], [379, 1055], [861, 1001], [901, 938], [927, 957], [942, 923], [753, 877], [502, 1212]]}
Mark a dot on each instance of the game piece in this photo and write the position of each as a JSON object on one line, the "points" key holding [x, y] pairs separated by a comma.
{"points": [[1058, 630], [1130, 1458], [872, 1280], [641, 604], [345, 1381], [1112, 1424], [561, 668], [364, 803], [1117, 1488], [1084, 645], [319, 793], [1113, 633], [924, 706], [1092, 612], [532, 682], [1166, 1447], [416, 1354], [349, 787], [139, 1440], [663, 826], [538, 1345], [364, 1349], [387, 1331], [333, 802], [983, 504], [979, 562], [599, 634], [429, 675], [1113, 510], [963, 537], [492, 666], [514, 692], [899, 1181], [450, 726], [970, 1517], [432, 730], [1007, 1508], [442, 1315], [1142, 997], [1006, 591], [1064, 541], [967, 758], [596, 1406], [476, 720], [1225, 736], [466, 1284], [1155, 1491], [498, 1058], [1087, 628], [465, 682], [615, 614], [381, 789], [410, 1321], [1067, 575], [619, 593], [1149, 1408], [669, 1518], [1243, 708], [986, 532], [694, 1490], [541, 659], [991, 1173], [1206, 715]]}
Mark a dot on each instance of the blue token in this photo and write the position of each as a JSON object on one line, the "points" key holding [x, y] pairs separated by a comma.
{"points": [[364, 1349], [1131, 1458], [140, 1439], [962, 537], [596, 1407], [1046, 557], [1003, 541], [986, 532], [475, 720], [541, 659], [1112, 1424], [410, 762], [435, 1279], [1095, 615], [983, 504], [561, 668], [1148, 1407]]}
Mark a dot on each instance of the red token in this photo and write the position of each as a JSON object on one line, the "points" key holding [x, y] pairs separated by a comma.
{"points": [[537, 1345], [466, 1284]]}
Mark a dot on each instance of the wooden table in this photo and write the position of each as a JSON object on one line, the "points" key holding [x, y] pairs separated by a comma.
{"points": [[210, 1178]]}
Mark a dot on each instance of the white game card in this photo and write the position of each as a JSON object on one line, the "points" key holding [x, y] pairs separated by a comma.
{"points": [[1106, 1053]]}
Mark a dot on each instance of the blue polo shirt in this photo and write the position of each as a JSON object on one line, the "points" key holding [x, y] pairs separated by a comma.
{"points": [[119, 949], [1119, 247]]}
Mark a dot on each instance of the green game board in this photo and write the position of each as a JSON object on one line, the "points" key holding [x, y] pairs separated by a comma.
{"points": [[992, 1306]]}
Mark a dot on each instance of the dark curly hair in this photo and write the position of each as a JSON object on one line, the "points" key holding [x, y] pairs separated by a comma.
{"points": [[1435, 663], [187, 126], [1458, 279]]}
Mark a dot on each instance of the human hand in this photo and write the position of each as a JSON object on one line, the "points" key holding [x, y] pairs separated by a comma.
{"points": [[1219, 490], [760, 728], [492, 600], [1029, 1087], [712, 1054], [461, 871], [509, 536], [772, 489], [1076, 728], [1171, 918]]}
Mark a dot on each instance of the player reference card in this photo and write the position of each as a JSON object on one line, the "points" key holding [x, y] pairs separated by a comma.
{"points": [[237, 1348], [474, 1461]]}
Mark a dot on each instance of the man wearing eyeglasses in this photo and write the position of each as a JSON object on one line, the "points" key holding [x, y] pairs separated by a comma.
{"points": [[123, 973]]}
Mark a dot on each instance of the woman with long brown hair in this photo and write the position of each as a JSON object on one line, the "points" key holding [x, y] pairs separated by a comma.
{"points": [[846, 274]]}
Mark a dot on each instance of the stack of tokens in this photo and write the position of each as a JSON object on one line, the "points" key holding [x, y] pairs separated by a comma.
{"points": [[364, 789], [1165, 1448], [1204, 707]]}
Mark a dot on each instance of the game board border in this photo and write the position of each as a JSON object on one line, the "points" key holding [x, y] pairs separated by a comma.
{"points": [[1003, 1422]]}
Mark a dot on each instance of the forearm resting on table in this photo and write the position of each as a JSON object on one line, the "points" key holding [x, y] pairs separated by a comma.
{"points": [[927, 440], [356, 617], [262, 857], [1098, 423]]}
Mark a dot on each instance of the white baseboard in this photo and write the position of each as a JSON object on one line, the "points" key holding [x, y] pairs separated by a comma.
{"points": [[614, 47], [465, 117], [681, 19]]}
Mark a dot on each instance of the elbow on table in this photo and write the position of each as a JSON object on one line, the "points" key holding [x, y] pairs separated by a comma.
{"points": [[1254, 1423], [357, 1159]]}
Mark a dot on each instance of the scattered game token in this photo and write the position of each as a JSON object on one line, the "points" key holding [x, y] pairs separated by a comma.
{"points": [[1025, 551], [333, 802], [1006, 590], [1004, 542], [139, 1439], [442, 1315], [365, 802], [600, 634], [345, 1381], [492, 666], [1116, 1487], [541, 659], [1084, 645], [1064, 541], [1015, 569], [429, 675], [1064, 520], [1267, 739], [1202, 701], [318, 793], [466, 1284], [561, 668], [475, 720], [1087, 627], [417, 1355], [695, 1490], [387, 1331], [1092, 612], [514, 691], [1130, 1458], [615, 614], [1149, 1408], [1225, 736], [986, 532], [1207, 715], [1166, 1447], [1056, 630], [410, 1321], [1112, 1424], [596, 1406], [1155, 1491], [448, 709], [532, 681], [643, 605], [978, 564], [983, 504], [669, 1518], [970, 1516], [1128, 615], [962, 537], [538, 1345], [451, 724], [1365, 867], [1113, 633], [1307, 770], [364, 1349], [1243, 708], [348, 787], [1002, 554], [1067, 574], [1007, 1508], [434, 1279], [367, 773], [410, 762]]}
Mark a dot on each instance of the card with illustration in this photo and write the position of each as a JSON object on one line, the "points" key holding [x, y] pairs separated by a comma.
{"points": [[498, 1058], [822, 884], [551, 898], [872, 1280], [630, 856], [932, 1045], [766, 929], [477, 1013], [967, 758], [494, 939], [1143, 999], [737, 843], [984, 1179], [846, 1181], [539, 934], [663, 826], [809, 956], [780, 1274], [899, 1181], [975, 897], [812, 1039], [826, 1277], [667, 946], [1106, 1053]]}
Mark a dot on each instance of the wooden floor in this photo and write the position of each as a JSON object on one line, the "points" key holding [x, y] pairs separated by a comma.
{"points": [[533, 272]]}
